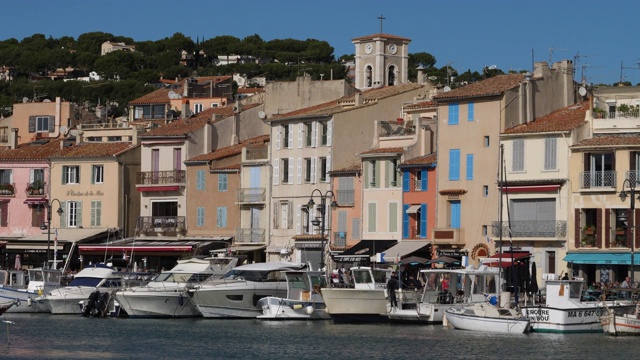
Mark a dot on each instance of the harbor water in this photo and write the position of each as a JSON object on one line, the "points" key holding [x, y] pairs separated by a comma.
{"points": [[42, 336]]}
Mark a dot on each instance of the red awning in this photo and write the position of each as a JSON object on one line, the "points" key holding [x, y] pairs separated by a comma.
{"points": [[169, 248], [529, 189], [504, 259], [158, 188]]}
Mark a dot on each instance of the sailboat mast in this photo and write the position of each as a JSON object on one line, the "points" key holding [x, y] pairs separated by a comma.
{"points": [[500, 185]]}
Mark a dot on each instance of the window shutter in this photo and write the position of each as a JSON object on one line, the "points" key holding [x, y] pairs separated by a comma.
{"points": [[423, 221], [275, 215], [4, 214], [32, 124], [469, 166], [342, 221], [65, 169], [550, 153], [314, 167], [454, 164], [290, 212], [471, 112], [406, 178], [290, 177], [326, 174], [63, 216], [77, 168], [355, 228], [405, 221], [314, 134], [52, 124], [424, 183], [79, 213], [372, 217], [300, 135], [387, 178], [517, 163], [299, 170], [393, 217], [200, 217], [98, 213], [453, 114], [329, 132], [289, 144], [276, 171], [278, 134], [298, 217], [367, 166], [93, 213], [376, 172]]}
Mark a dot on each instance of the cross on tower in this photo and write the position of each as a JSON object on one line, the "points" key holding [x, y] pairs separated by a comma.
{"points": [[381, 18]]}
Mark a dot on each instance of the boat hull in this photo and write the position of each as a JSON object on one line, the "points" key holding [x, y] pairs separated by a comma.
{"points": [[156, 304], [356, 305], [583, 319], [620, 325], [25, 301], [238, 299], [275, 308], [66, 301], [487, 324]]}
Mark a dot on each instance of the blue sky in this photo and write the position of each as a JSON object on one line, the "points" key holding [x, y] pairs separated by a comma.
{"points": [[467, 34]]}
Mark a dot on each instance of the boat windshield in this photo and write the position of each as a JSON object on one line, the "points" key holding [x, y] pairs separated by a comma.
{"points": [[181, 277], [36, 275], [85, 281], [253, 275]]}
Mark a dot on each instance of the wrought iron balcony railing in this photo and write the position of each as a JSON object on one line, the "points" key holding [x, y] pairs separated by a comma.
{"points": [[161, 177], [597, 179], [531, 229], [340, 239], [162, 223], [255, 235]]}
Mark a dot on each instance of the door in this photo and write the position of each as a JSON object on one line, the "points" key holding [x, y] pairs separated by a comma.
{"points": [[455, 214]]}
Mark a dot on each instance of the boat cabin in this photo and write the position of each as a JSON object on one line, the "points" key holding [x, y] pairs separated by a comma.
{"points": [[365, 277]]}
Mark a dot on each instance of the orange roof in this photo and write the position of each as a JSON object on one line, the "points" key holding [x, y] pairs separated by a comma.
{"points": [[160, 96], [609, 141], [94, 149], [380, 35], [231, 150], [37, 150], [353, 169], [565, 119], [391, 150], [422, 160], [489, 87], [421, 105]]}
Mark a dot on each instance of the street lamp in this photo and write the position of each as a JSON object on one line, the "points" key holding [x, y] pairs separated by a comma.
{"points": [[48, 225], [322, 208], [629, 220]]}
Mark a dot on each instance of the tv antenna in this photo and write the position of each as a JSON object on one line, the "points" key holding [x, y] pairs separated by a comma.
{"points": [[551, 51], [628, 68]]}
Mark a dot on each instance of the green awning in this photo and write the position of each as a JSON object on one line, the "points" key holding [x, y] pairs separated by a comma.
{"points": [[602, 258]]}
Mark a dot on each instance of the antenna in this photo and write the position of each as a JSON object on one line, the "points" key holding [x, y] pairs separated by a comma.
{"points": [[628, 68]]}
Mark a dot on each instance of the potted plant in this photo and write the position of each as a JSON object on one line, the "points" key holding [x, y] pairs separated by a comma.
{"points": [[588, 235]]}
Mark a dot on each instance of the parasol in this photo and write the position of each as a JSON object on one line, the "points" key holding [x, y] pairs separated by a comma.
{"points": [[445, 260], [18, 264], [413, 260]]}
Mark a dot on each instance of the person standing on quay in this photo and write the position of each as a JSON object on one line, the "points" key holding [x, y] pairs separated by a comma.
{"points": [[392, 285]]}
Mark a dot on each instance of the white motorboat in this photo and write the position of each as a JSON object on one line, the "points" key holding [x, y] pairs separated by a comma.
{"points": [[444, 289], [570, 308], [27, 290], [617, 324], [364, 301], [6, 305], [165, 296], [237, 294], [488, 317], [99, 277], [303, 301]]}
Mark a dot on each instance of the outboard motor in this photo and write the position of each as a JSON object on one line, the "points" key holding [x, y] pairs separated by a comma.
{"points": [[90, 304], [102, 304]]}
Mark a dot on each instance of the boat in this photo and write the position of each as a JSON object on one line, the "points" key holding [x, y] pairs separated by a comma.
{"points": [[236, 295], [615, 323], [571, 308], [165, 296], [98, 277], [6, 305], [303, 300], [444, 289], [26, 290], [496, 314], [363, 301]]}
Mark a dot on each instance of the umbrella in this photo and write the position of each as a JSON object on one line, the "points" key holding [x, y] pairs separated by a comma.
{"points": [[534, 281], [414, 260], [444, 259], [18, 264]]}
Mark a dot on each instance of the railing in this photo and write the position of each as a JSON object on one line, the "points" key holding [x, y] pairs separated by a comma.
{"points": [[597, 179], [251, 195], [633, 176], [616, 114], [7, 189], [36, 190], [530, 229], [161, 177], [417, 184], [340, 239], [447, 235], [414, 232], [258, 153], [162, 223], [254, 235]]}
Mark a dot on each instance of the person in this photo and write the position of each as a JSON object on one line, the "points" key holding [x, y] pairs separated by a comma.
{"points": [[414, 284], [392, 285], [626, 284], [566, 276], [445, 285]]}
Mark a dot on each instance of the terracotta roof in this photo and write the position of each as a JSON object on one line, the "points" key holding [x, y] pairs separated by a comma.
{"points": [[235, 167], [160, 96], [32, 151], [430, 159], [565, 119], [346, 103], [489, 87], [453, 192], [380, 35], [610, 141], [231, 150], [94, 149], [353, 169], [391, 150], [421, 105]]}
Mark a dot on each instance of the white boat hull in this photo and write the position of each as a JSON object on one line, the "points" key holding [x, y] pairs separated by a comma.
{"points": [[275, 308], [156, 304], [345, 304], [623, 325], [571, 320], [424, 313], [465, 321], [25, 301], [234, 299], [65, 301]]}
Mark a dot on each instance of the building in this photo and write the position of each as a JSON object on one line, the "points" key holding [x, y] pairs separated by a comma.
{"points": [[109, 46]]}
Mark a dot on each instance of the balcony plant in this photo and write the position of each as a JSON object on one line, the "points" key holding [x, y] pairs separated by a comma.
{"points": [[6, 189], [36, 188], [588, 236]]}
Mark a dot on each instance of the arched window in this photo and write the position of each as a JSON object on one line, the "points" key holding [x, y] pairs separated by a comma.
{"points": [[392, 75], [368, 75]]}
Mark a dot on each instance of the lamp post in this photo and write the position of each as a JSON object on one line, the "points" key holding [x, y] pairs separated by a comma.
{"points": [[630, 218], [322, 209], [48, 225]]}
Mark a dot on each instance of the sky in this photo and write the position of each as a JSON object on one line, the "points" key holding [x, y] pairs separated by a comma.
{"points": [[600, 37]]}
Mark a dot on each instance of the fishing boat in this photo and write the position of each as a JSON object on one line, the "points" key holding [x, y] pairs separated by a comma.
{"points": [[26, 290], [621, 324], [6, 305], [165, 296], [444, 289], [571, 308], [236, 295], [303, 301], [364, 301]]}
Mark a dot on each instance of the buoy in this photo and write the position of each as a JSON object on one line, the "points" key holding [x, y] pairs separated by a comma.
{"points": [[28, 301], [309, 310]]}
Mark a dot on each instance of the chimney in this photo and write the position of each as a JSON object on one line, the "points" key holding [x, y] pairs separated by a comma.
{"points": [[420, 75], [13, 138], [79, 137], [358, 98]]}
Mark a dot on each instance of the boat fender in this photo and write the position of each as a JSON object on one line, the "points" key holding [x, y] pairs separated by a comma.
{"points": [[181, 300], [297, 306], [29, 302], [309, 310]]}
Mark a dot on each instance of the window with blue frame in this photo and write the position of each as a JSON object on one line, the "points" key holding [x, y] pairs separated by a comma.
{"points": [[453, 113], [222, 182], [454, 164], [200, 180], [470, 111], [200, 216], [221, 217], [469, 166]]}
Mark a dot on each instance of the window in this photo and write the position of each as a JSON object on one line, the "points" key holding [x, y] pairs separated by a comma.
{"points": [[200, 217], [200, 180], [453, 114], [533, 217], [308, 133], [304, 220], [485, 230], [97, 176], [550, 154], [197, 108], [114, 138], [37, 215], [286, 221], [486, 141], [307, 170], [6, 176], [70, 175], [96, 213], [371, 174], [285, 171], [222, 182], [288, 138], [324, 133], [454, 164], [470, 111], [517, 163], [323, 169], [392, 172], [372, 217], [73, 212], [221, 218], [485, 190], [42, 124], [346, 191], [469, 166]]}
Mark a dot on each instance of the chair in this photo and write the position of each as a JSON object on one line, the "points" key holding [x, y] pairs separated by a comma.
{"points": [[386, 127]]}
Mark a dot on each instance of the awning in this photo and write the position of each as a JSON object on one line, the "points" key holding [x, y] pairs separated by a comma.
{"points": [[504, 259], [413, 209], [150, 247], [403, 248], [602, 258], [247, 248], [531, 189], [363, 250], [64, 235]]}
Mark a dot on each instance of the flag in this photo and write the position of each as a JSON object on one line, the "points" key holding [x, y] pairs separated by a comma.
{"points": [[488, 239], [55, 245]]}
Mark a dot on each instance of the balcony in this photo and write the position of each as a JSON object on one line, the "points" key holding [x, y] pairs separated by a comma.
{"points": [[251, 195], [616, 121], [339, 239], [170, 177], [162, 224], [598, 180], [36, 189], [547, 229], [618, 239], [448, 236], [253, 236], [257, 153], [7, 190]]}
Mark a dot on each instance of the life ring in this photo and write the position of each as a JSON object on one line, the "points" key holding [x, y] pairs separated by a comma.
{"points": [[480, 250]]}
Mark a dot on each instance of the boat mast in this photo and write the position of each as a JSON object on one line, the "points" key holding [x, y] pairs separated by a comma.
{"points": [[500, 185]]}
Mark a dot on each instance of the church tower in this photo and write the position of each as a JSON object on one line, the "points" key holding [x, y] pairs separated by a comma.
{"points": [[381, 60]]}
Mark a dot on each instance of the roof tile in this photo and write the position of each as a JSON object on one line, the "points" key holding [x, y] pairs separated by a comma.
{"points": [[565, 119], [490, 87]]}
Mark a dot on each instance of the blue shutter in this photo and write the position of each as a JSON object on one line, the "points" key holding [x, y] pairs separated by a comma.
{"points": [[471, 111], [423, 180], [200, 218], [454, 164], [405, 221], [423, 221], [406, 178], [455, 214], [469, 166], [453, 114]]}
